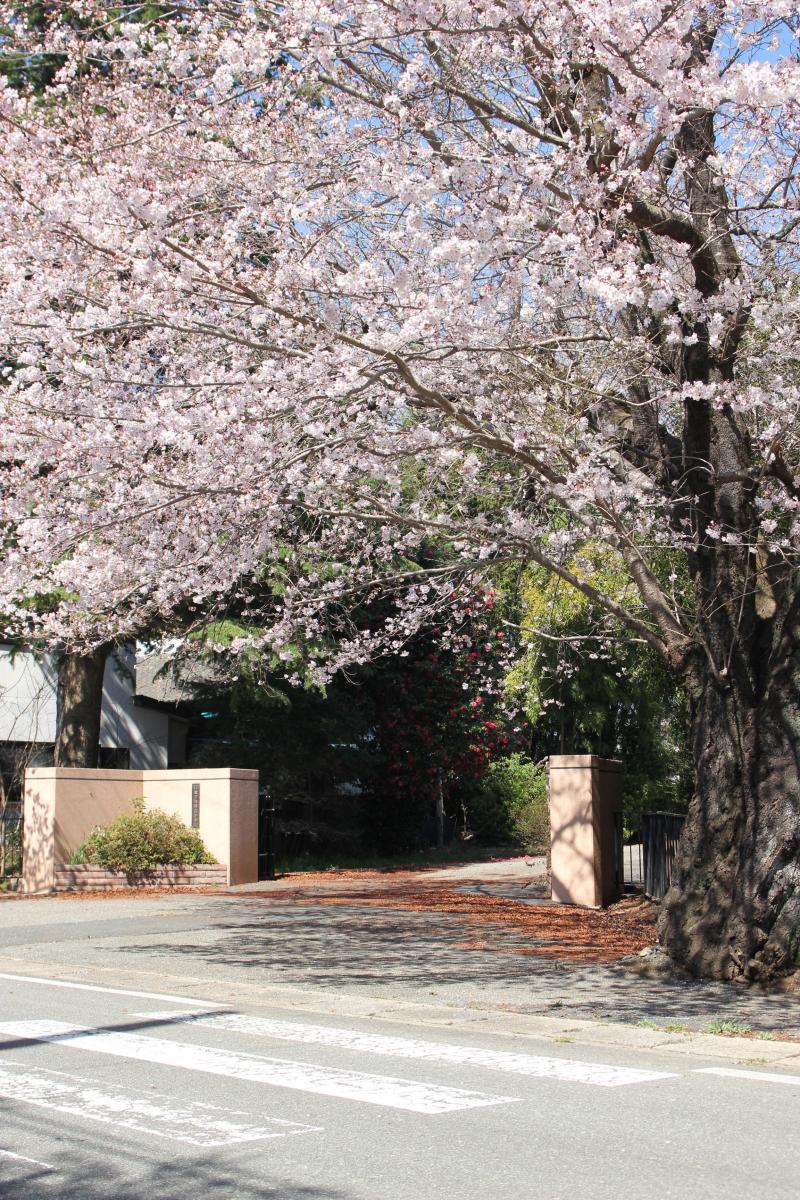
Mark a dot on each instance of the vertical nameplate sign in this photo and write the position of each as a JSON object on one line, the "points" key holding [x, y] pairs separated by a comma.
{"points": [[195, 806]]}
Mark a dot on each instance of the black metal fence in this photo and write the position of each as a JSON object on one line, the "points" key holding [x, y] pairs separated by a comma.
{"points": [[10, 843], [648, 856]]}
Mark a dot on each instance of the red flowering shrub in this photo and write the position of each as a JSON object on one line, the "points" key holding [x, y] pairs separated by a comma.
{"points": [[443, 723]]}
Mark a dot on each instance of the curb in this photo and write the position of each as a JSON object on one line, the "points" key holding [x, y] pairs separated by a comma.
{"points": [[735, 1049]]}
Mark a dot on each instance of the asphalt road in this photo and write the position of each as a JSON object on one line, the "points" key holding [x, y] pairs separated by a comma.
{"points": [[124, 1076], [356, 952], [126, 1096]]}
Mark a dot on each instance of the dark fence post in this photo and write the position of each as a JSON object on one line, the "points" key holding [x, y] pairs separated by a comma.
{"points": [[266, 835]]}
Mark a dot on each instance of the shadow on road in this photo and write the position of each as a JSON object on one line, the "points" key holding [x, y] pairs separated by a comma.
{"points": [[413, 955], [20, 1043], [96, 1161], [123, 1175]]}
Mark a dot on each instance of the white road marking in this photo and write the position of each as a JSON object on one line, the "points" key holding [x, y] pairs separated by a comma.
{"points": [[759, 1076], [35, 1162], [125, 1108], [89, 987], [571, 1070], [385, 1090]]}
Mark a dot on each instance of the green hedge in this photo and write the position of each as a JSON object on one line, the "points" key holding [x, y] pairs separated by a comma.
{"points": [[509, 805], [148, 838]]}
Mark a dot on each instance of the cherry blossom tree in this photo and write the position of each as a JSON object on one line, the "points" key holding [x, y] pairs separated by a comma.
{"points": [[302, 285]]}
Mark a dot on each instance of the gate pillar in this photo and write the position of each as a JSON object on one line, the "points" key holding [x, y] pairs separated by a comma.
{"points": [[585, 829]]}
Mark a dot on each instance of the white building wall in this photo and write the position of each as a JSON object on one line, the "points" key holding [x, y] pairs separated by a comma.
{"points": [[144, 731], [28, 685], [27, 697]]}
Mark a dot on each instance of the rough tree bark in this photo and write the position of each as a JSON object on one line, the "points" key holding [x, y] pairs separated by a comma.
{"points": [[734, 906], [80, 697]]}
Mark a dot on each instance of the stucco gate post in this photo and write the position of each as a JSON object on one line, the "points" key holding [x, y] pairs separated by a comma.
{"points": [[585, 829]]}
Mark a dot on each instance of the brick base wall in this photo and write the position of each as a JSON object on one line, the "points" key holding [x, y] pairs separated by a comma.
{"points": [[85, 878]]}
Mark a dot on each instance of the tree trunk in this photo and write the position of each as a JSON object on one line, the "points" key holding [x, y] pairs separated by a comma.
{"points": [[734, 906], [80, 698]]}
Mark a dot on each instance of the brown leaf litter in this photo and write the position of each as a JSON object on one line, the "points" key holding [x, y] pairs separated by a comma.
{"points": [[563, 932]]}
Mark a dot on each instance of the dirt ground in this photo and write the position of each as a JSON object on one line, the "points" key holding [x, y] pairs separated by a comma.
{"points": [[563, 932]]}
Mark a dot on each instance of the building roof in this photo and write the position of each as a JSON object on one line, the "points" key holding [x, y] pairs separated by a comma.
{"points": [[167, 679]]}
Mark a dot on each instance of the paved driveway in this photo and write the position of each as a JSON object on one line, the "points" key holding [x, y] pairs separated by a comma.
{"points": [[295, 941]]}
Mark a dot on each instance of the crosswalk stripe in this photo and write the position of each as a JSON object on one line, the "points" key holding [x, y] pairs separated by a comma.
{"points": [[194, 1123], [758, 1076], [23, 1158], [90, 987], [384, 1090], [538, 1066]]}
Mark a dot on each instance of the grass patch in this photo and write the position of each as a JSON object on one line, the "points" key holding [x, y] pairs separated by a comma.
{"points": [[728, 1028], [669, 1027], [457, 852]]}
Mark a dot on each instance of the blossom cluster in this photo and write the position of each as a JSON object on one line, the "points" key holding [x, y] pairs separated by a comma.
{"points": [[293, 289]]}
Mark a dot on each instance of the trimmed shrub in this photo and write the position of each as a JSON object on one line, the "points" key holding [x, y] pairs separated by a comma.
{"points": [[510, 805], [147, 838]]}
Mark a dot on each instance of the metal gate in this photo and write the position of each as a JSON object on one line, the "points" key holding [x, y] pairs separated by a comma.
{"points": [[632, 867], [648, 855], [660, 834]]}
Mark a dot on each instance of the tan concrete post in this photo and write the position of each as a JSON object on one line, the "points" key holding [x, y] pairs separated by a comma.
{"points": [[227, 799], [61, 807], [585, 829], [38, 833]]}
